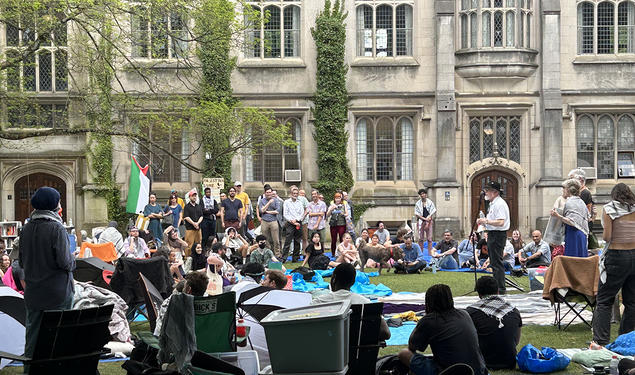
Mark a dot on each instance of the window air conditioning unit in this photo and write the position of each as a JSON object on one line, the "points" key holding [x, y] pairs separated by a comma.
{"points": [[292, 175], [591, 173]]}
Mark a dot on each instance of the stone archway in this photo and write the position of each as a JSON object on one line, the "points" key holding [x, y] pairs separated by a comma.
{"points": [[15, 169], [509, 185], [24, 188]]}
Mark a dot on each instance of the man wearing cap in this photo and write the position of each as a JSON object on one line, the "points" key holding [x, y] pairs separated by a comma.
{"points": [[497, 224], [246, 214], [193, 216], [47, 262]]}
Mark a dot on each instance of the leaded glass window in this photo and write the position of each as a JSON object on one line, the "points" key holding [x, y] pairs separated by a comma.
{"points": [[384, 148], [46, 69], [27, 114], [602, 139], [158, 35], [275, 33], [164, 168], [267, 163], [495, 23], [384, 30], [494, 133], [606, 27]]}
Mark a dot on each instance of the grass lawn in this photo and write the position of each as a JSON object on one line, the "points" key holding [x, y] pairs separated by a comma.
{"points": [[576, 336]]}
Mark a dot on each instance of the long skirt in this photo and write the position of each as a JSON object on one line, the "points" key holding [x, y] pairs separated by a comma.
{"points": [[575, 242]]}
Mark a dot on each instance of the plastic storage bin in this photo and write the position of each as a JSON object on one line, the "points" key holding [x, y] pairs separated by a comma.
{"points": [[291, 332], [246, 360]]}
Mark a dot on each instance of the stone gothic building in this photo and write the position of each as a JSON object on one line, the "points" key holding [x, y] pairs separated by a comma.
{"points": [[446, 94]]}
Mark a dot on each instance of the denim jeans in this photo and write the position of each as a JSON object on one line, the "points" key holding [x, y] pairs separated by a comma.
{"points": [[448, 263], [620, 273], [423, 365]]}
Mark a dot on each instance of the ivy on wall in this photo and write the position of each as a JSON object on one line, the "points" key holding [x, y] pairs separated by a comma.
{"points": [[331, 100]]}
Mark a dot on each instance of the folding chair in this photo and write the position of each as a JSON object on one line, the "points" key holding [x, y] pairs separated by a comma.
{"points": [[575, 303], [215, 323], [69, 341], [364, 344], [571, 284]]}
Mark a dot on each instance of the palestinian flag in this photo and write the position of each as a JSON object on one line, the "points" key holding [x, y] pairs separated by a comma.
{"points": [[139, 187]]}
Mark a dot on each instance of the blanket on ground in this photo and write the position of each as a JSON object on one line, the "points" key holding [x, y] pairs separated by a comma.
{"points": [[533, 309], [579, 274], [87, 295]]}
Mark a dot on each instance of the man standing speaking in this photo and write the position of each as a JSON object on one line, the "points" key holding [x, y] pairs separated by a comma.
{"points": [[496, 223], [47, 262]]}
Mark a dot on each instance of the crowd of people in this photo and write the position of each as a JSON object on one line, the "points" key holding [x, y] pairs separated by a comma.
{"points": [[247, 242]]}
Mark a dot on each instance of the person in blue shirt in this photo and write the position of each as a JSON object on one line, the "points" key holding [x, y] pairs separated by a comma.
{"points": [[412, 261]]}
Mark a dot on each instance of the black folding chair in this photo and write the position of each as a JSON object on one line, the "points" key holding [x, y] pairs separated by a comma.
{"points": [[364, 344], [574, 303], [69, 342]]}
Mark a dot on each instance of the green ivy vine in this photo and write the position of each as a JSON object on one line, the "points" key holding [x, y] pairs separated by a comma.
{"points": [[331, 99]]}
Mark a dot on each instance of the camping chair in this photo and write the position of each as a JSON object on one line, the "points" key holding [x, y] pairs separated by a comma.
{"points": [[571, 284], [364, 344], [153, 300], [93, 270], [69, 341], [215, 323], [104, 251]]}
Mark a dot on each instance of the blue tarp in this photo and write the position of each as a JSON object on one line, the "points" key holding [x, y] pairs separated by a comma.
{"points": [[362, 283], [624, 344], [400, 335]]}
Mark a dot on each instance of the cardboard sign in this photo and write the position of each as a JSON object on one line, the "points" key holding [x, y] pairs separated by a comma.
{"points": [[215, 185]]}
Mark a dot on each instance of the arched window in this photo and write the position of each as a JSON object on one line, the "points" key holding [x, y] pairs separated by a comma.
{"points": [[268, 163], [495, 23], [597, 137], [385, 148], [384, 30], [280, 35], [606, 27], [494, 133]]}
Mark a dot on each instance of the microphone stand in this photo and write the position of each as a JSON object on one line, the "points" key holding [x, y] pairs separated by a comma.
{"points": [[473, 241]]}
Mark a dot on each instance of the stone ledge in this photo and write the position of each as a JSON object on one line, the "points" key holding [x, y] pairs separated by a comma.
{"points": [[493, 63], [604, 59], [384, 61], [271, 63]]}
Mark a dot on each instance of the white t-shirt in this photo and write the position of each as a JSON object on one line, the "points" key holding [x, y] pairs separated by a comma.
{"points": [[498, 209]]}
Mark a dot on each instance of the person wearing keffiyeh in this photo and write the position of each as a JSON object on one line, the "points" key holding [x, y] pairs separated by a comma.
{"points": [[498, 325]]}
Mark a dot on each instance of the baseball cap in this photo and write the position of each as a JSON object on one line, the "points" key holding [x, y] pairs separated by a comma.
{"points": [[238, 183]]}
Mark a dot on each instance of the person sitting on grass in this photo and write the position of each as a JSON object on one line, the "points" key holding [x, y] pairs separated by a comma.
{"points": [[536, 253], [450, 334], [314, 254], [509, 258], [260, 253], [498, 325], [346, 252], [374, 254], [342, 280], [466, 250], [412, 261], [363, 238], [448, 258], [274, 279], [234, 242]]}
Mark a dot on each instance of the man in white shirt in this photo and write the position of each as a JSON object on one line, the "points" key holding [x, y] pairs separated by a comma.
{"points": [[497, 224], [425, 212], [293, 212]]}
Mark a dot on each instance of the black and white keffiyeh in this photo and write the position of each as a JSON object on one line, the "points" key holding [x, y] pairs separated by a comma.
{"points": [[494, 306]]}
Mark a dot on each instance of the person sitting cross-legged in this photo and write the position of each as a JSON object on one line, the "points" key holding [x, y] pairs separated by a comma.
{"points": [[260, 253], [536, 253], [450, 334], [341, 282], [412, 261], [498, 325], [448, 258]]}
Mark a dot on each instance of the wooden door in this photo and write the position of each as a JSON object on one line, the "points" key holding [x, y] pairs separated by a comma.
{"points": [[27, 185], [509, 185]]}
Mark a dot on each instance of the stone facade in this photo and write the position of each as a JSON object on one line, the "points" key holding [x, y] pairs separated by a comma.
{"points": [[530, 79]]}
